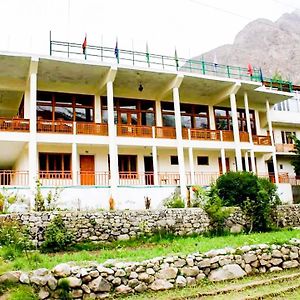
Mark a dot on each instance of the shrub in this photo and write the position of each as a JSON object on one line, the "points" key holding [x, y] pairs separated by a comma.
{"points": [[257, 197], [175, 200], [57, 236], [64, 289], [200, 196]]}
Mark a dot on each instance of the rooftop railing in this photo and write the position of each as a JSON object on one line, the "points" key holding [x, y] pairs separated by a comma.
{"points": [[165, 62]]}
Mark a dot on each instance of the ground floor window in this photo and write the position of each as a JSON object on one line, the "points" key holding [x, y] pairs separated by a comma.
{"points": [[127, 166], [55, 165]]}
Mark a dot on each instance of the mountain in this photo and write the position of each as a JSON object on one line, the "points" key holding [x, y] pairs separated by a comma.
{"points": [[273, 46]]}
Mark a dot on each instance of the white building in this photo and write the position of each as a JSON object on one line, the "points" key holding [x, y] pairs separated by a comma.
{"points": [[96, 127]]}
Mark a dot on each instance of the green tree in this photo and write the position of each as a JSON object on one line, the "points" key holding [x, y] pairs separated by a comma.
{"points": [[296, 159]]}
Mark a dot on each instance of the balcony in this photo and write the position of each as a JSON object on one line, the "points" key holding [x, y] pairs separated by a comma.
{"points": [[207, 134], [13, 178], [262, 140], [55, 178], [91, 128], [244, 137], [165, 132], [60, 126], [93, 178], [282, 178], [286, 148], [136, 178], [134, 131], [14, 124]]}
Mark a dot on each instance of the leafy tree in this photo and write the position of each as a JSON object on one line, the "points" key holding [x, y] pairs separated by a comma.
{"points": [[296, 159]]}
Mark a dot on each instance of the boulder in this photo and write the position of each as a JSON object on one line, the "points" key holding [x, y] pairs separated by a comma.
{"points": [[227, 272], [62, 270], [161, 285], [190, 271], [123, 289], [167, 273], [290, 264], [100, 284], [10, 277], [180, 281]]}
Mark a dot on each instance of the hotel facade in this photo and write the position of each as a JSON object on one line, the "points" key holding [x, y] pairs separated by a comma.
{"points": [[94, 127]]}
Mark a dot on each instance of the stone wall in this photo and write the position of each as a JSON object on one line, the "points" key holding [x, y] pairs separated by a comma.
{"points": [[99, 281], [125, 224]]}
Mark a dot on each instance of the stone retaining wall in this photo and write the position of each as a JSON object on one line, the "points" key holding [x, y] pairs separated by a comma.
{"points": [[104, 226], [99, 281]]}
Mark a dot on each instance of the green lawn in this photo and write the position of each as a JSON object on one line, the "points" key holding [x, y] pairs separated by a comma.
{"points": [[143, 249]]}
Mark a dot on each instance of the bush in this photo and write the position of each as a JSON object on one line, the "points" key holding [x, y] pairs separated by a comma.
{"points": [[256, 197], [57, 236], [175, 200], [200, 196]]}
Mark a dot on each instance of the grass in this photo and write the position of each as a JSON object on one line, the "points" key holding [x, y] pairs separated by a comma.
{"points": [[142, 249]]}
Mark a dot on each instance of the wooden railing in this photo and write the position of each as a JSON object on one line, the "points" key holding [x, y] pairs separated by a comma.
{"points": [[205, 134], [244, 137], [93, 178], [165, 132], [262, 140], [134, 130], [55, 178], [136, 178], [14, 124], [91, 128], [55, 126], [282, 178], [167, 178], [13, 178], [285, 148], [227, 136], [203, 179]]}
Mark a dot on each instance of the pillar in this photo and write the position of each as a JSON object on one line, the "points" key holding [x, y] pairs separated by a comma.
{"points": [[246, 161], [180, 152], [158, 113], [223, 161], [113, 150], [98, 116], [155, 165], [74, 164], [272, 142], [192, 169], [212, 121], [253, 165], [248, 117], [236, 133]]}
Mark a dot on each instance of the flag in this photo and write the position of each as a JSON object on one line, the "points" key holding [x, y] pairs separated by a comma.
{"points": [[147, 55], [84, 45], [261, 75], [176, 59], [250, 70], [117, 51]]}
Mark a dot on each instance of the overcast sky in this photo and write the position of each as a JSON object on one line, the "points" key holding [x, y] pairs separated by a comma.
{"points": [[193, 26]]}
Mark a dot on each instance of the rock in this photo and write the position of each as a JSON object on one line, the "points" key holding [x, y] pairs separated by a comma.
{"points": [[290, 264], [141, 288], [236, 228], [116, 281], [43, 293], [24, 278], [86, 289], [275, 269], [73, 282], [248, 269], [52, 282], [190, 271], [167, 273], [76, 293], [94, 274], [150, 271], [133, 275], [144, 277], [249, 257], [227, 272], [133, 283], [200, 276], [123, 237], [120, 273], [190, 281], [10, 277], [180, 281], [123, 289], [179, 263], [204, 263], [62, 270], [161, 285], [276, 253], [276, 261], [40, 272], [100, 284], [39, 280]]}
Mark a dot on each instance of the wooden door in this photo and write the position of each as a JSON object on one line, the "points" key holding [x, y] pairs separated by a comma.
{"points": [[149, 175], [227, 165], [87, 170]]}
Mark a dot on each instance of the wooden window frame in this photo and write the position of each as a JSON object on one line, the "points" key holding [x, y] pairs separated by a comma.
{"points": [[193, 114], [129, 174]]}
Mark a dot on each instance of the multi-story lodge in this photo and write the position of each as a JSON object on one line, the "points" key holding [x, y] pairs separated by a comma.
{"points": [[133, 125]]}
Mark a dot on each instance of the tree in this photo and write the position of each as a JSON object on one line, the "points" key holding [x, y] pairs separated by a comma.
{"points": [[296, 159]]}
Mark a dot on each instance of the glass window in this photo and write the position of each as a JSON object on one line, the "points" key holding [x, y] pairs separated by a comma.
{"points": [[127, 104], [52, 162], [63, 99], [64, 113], [44, 112], [127, 163], [104, 116], [167, 107], [84, 114], [168, 120], [201, 122], [186, 121], [220, 113], [147, 105], [174, 160], [148, 119], [134, 119], [202, 160]]}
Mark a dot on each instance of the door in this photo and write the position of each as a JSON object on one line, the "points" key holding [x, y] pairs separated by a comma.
{"points": [[227, 165], [87, 170], [148, 165], [271, 171]]}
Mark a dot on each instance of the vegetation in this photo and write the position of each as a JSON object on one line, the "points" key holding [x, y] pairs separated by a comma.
{"points": [[257, 197], [7, 199], [296, 159], [57, 236], [175, 200]]}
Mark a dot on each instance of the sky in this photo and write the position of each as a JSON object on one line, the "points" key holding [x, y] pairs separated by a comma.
{"points": [[191, 26]]}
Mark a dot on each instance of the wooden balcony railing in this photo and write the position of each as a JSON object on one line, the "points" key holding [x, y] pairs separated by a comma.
{"points": [[205, 134], [282, 178], [55, 126], [167, 178], [134, 131], [262, 140], [227, 136], [165, 132], [14, 124], [13, 178], [244, 137], [93, 178], [205, 179], [136, 178], [55, 178], [91, 128], [285, 148]]}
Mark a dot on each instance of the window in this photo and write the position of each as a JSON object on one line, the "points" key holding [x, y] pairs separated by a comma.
{"points": [[286, 137], [127, 166], [168, 114], [63, 106], [174, 160], [202, 160], [55, 165], [194, 116]]}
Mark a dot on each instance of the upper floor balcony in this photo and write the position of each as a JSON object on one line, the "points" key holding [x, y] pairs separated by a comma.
{"points": [[14, 124]]}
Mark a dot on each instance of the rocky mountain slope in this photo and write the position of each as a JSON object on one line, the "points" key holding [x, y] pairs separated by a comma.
{"points": [[273, 46]]}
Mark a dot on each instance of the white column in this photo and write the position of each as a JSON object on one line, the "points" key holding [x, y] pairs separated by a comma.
{"points": [[248, 117], [236, 133], [27, 103], [252, 157], [75, 172], [98, 117], [272, 141], [155, 165], [158, 113], [113, 150], [179, 142], [298, 100], [246, 161], [223, 161], [192, 169], [212, 121]]}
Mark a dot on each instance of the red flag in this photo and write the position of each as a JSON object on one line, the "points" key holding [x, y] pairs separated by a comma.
{"points": [[84, 45], [250, 70]]}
